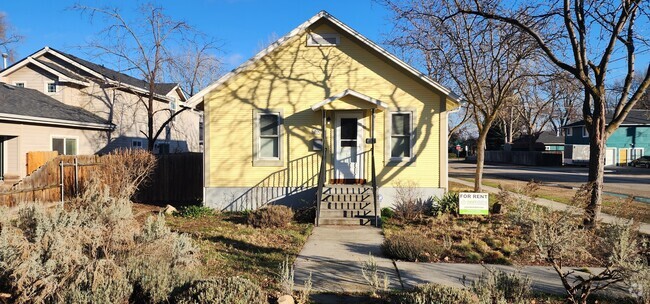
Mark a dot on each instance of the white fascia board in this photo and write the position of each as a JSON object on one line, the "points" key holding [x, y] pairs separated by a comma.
{"points": [[323, 14], [350, 92], [23, 62], [57, 122], [62, 77]]}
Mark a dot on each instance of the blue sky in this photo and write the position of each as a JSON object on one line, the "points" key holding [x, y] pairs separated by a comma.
{"points": [[243, 26]]}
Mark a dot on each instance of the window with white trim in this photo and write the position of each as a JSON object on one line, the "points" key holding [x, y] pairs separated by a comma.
{"points": [[568, 131], [136, 143], [316, 39], [51, 87], [401, 139], [269, 136], [584, 132], [64, 145], [19, 84]]}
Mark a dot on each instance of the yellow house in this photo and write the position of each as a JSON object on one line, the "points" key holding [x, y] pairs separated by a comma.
{"points": [[324, 115]]}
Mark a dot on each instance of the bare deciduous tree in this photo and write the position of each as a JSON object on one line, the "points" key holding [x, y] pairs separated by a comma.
{"points": [[148, 46], [196, 66], [8, 36], [483, 59], [584, 38]]}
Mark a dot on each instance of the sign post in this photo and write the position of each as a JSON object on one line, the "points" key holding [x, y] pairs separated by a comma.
{"points": [[473, 203]]}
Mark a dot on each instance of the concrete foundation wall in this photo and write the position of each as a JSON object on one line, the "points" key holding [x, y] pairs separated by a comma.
{"points": [[239, 199]]}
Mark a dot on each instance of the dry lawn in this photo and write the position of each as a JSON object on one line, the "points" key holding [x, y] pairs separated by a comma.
{"points": [[230, 247], [613, 205]]}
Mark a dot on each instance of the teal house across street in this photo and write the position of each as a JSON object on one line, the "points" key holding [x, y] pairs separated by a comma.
{"points": [[629, 142]]}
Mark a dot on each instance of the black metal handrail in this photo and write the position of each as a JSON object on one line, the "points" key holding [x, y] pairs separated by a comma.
{"points": [[372, 167], [321, 183]]}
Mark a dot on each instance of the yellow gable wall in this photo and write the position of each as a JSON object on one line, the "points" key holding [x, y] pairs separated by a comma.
{"points": [[293, 78]]}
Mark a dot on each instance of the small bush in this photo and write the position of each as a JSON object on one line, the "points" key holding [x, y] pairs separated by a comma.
{"points": [[432, 293], [447, 204], [411, 245], [306, 215], [234, 290], [495, 286], [408, 201], [194, 211], [272, 216], [374, 278], [124, 170], [387, 213]]}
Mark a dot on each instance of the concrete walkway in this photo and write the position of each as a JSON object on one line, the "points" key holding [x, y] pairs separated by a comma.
{"points": [[553, 205], [333, 256]]}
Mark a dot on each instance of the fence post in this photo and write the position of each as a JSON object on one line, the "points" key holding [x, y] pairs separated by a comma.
{"points": [[62, 182], [76, 176]]}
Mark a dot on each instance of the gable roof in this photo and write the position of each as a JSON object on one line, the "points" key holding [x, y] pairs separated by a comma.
{"points": [[197, 98], [349, 92], [634, 118], [31, 106], [87, 67]]}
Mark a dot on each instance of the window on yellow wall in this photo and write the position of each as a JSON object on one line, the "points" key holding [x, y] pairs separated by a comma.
{"points": [[401, 140], [269, 136]]}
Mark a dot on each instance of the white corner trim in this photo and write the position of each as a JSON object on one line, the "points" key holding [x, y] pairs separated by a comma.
{"points": [[350, 92], [198, 97], [53, 121]]}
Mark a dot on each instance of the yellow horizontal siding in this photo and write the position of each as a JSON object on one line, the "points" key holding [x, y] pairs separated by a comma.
{"points": [[295, 77]]}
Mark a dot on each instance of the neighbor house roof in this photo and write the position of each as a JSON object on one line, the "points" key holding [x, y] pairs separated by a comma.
{"points": [[31, 106], [545, 137], [323, 15], [83, 66], [634, 118]]}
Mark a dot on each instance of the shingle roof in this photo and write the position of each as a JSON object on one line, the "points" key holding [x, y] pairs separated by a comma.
{"points": [[635, 117], [160, 88], [28, 102], [546, 137], [60, 69]]}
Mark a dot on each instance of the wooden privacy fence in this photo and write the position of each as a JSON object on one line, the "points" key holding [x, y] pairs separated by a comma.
{"points": [[47, 184], [176, 180], [527, 158]]}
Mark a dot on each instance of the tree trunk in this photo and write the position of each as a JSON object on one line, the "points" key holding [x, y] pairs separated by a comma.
{"points": [[480, 159], [597, 140], [151, 140], [595, 180]]}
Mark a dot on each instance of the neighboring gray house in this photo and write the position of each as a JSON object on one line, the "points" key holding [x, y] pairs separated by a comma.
{"points": [[114, 96], [30, 120]]}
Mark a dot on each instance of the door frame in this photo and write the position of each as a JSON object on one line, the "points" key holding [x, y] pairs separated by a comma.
{"points": [[359, 178]]}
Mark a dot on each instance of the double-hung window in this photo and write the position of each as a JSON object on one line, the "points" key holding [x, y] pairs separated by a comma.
{"points": [[64, 145], [401, 136], [268, 141]]}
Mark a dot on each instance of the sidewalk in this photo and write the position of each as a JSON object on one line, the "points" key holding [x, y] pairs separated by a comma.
{"points": [[333, 255], [553, 205]]}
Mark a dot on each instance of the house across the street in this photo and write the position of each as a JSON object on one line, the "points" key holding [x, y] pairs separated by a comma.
{"points": [[629, 142], [324, 90]]}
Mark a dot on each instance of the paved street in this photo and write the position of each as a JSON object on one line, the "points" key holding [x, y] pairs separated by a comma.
{"points": [[624, 180]]}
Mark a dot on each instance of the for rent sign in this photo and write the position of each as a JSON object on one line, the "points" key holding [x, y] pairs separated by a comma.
{"points": [[473, 203]]}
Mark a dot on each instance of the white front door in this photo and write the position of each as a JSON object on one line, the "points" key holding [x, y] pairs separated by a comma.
{"points": [[348, 146]]}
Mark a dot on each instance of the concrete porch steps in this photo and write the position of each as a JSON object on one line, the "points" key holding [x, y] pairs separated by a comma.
{"points": [[347, 205]]}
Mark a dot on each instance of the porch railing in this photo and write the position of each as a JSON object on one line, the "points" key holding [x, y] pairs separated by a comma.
{"points": [[321, 182]]}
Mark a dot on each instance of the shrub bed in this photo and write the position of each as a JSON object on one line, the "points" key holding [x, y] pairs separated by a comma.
{"points": [[273, 216]]}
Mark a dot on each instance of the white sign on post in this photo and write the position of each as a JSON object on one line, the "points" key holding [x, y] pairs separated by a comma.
{"points": [[473, 203]]}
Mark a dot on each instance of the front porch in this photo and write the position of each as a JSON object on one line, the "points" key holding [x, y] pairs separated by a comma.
{"points": [[347, 180]]}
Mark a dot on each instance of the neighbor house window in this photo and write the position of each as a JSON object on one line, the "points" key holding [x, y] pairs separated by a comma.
{"points": [[584, 132], [315, 39], [64, 145], [268, 135], [19, 84], [401, 131], [569, 131], [136, 143], [51, 87]]}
